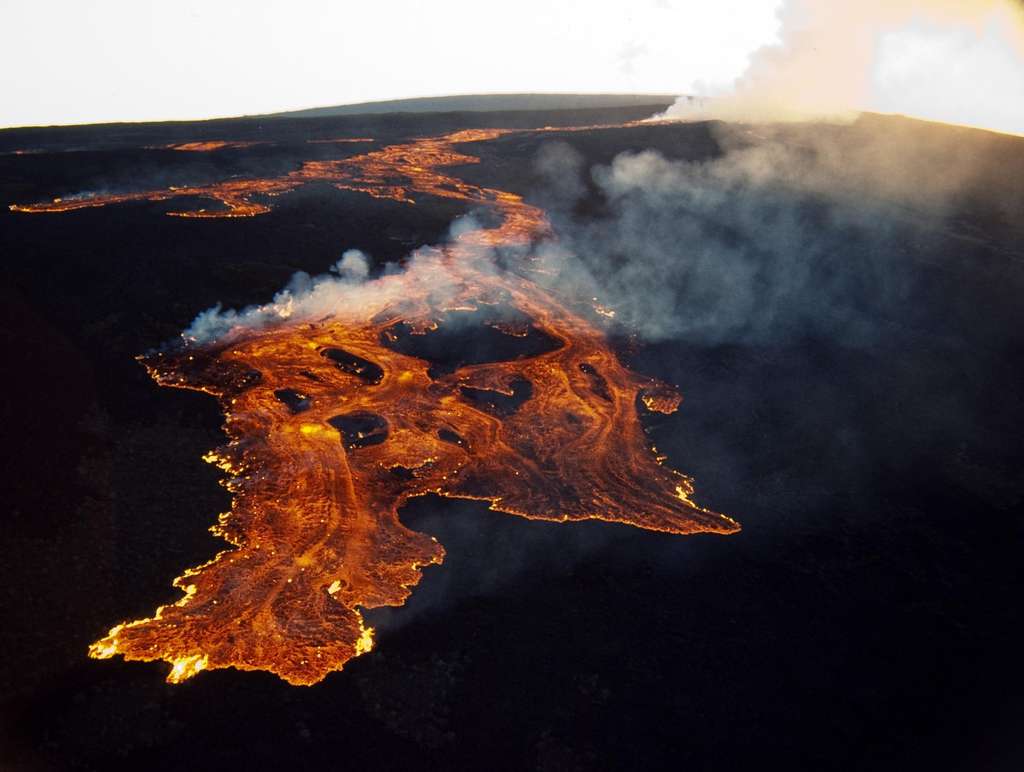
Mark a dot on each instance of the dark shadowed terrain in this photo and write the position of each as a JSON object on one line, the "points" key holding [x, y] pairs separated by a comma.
{"points": [[841, 307]]}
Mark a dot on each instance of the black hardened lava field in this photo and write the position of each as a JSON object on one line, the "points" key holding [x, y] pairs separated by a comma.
{"points": [[830, 581]]}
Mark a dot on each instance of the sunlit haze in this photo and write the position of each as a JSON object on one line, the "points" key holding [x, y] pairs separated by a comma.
{"points": [[121, 60], [942, 60], [133, 60]]}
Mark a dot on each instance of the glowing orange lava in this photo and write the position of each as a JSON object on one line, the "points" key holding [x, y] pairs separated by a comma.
{"points": [[334, 423], [213, 144], [340, 140]]}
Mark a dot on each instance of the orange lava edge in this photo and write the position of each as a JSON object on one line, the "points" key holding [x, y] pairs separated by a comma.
{"points": [[314, 520]]}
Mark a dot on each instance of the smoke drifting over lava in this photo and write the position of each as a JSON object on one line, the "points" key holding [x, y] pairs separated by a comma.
{"points": [[940, 60], [771, 239]]}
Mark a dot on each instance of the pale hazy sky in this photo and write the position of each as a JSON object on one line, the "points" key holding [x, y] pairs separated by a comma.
{"points": [[85, 61]]}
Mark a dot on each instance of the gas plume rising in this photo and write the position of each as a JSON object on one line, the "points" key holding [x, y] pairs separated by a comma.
{"points": [[767, 238], [940, 60]]}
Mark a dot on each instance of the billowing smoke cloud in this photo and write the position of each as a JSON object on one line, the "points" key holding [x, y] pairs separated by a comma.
{"points": [[795, 230], [304, 297], [957, 62]]}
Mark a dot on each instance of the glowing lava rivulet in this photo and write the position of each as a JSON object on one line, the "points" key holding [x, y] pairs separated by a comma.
{"points": [[335, 421]]}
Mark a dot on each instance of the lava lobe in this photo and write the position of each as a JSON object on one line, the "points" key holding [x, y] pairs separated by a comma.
{"points": [[495, 390]]}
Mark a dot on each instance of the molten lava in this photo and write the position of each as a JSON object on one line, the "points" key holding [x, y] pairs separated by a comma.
{"points": [[388, 173], [210, 145], [335, 421]]}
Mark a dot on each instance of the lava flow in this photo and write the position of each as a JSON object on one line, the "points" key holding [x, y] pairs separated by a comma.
{"points": [[393, 172], [335, 420], [207, 146]]}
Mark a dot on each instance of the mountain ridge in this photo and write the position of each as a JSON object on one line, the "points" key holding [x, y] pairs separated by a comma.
{"points": [[480, 103]]}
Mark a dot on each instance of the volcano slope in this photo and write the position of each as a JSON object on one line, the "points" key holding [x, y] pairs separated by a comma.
{"points": [[860, 422]]}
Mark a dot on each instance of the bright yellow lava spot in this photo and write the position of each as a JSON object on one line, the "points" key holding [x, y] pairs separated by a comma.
{"points": [[221, 463], [311, 429], [190, 590], [104, 649], [186, 667], [365, 642], [682, 494], [334, 587], [405, 377]]}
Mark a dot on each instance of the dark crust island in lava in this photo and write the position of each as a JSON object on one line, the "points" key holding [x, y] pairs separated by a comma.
{"points": [[334, 423]]}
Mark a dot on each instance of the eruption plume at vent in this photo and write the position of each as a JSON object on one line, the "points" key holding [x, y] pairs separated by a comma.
{"points": [[940, 60], [345, 397]]}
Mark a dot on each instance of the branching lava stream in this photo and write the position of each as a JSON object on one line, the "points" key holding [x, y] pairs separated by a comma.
{"points": [[334, 422]]}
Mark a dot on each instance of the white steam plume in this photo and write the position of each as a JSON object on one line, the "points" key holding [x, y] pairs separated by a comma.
{"points": [[346, 291], [956, 62]]}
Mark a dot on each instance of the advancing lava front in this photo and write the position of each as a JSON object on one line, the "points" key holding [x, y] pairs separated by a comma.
{"points": [[334, 423]]}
